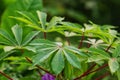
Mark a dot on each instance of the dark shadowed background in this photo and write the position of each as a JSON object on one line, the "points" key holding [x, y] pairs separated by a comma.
{"points": [[98, 11]]}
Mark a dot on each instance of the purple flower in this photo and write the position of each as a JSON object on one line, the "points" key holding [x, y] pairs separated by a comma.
{"points": [[48, 76]]}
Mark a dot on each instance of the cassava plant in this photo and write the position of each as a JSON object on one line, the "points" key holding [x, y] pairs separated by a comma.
{"points": [[67, 51]]}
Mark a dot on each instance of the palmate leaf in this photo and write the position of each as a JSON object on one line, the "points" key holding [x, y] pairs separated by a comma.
{"points": [[113, 65], [58, 62], [33, 22], [11, 43], [30, 20], [57, 52], [18, 34]]}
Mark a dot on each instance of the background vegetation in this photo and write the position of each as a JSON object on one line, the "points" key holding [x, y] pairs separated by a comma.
{"points": [[98, 11]]}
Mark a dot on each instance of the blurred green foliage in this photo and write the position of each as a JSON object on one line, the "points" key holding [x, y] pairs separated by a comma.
{"points": [[16, 5], [98, 11]]}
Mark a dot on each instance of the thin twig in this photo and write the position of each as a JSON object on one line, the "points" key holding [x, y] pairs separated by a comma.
{"points": [[101, 67], [39, 72], [81, 42], [105, 65], [6, 75], [103, 76], [108, 47], [85, 73], [39, 67], [45, 36]]}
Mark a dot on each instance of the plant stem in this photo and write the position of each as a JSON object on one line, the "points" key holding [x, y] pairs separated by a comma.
{"points": [[103, 76], [39, 72], [105, 65], [6, 75], [29, 60], [87, 73], [88, 45], [45, 36], [81, 42], [22, 51], [89, 69], [108, 47]]}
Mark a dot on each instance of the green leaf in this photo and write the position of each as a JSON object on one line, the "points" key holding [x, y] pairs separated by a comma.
{"points": [[34, 5], [4, 41], [100, 52], [54, 21], [43, 55], [42, 17], [29, 37], [58, 62], [72, 59], [68, 71], [18, 32], [39, 42], [24, 15], [32, 18], [96, 58], [30, 48], [72, 27], [118, 74], [116, 52], [94, 43], [75, 50], [8, 48], [22, 19], [6, 35], [5, 54], [27, 5], [113, 65]]}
